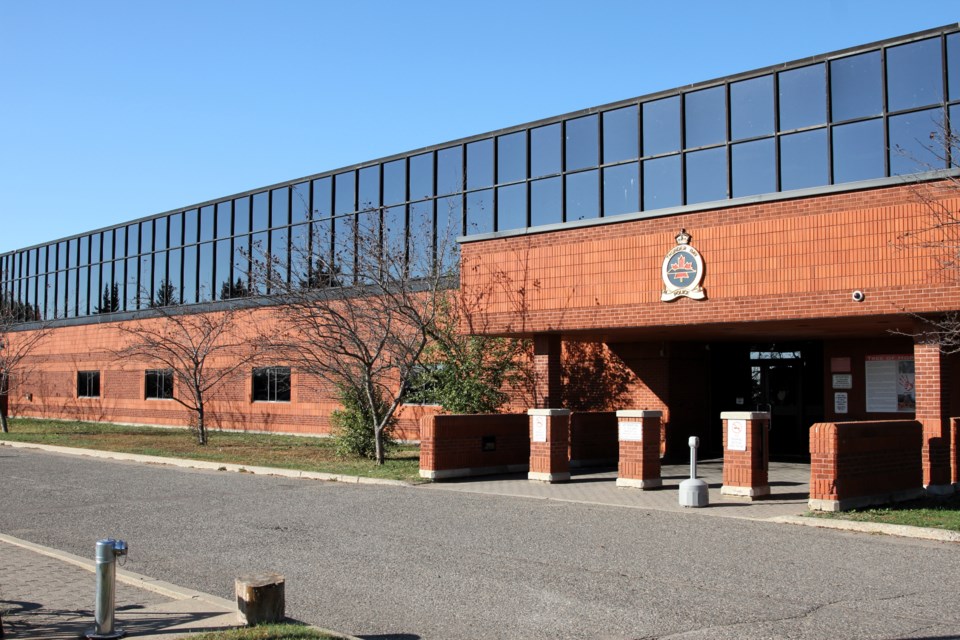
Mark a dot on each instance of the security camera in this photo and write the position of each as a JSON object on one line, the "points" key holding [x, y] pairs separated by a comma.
{"points": [[857, 296]]}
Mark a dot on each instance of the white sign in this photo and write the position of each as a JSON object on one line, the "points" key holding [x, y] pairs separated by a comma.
{"points": [[890, 384], [843, 381], [840, 402], [631, 431], [539, 428], [737, 435]]}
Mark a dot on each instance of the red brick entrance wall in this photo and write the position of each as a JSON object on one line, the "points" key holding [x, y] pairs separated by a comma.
{"points": [[854, 464]]}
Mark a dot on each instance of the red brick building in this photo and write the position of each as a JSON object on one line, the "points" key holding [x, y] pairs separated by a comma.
{"points": [[764, 243]]}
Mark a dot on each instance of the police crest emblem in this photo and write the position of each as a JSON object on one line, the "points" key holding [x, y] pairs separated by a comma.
{"points": [[682, 271]]}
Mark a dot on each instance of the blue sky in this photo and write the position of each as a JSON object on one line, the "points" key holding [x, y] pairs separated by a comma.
{"points": [[114, 110]]}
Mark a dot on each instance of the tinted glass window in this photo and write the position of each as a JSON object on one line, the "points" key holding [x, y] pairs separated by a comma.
{"points": [[323, 198], [395, 229], [271, 384], [223, 278], [369, 188], [914, 75], [190, 274], [751, 108], [583, 196], [803, 97], [706, 175], [280, 207], [512, 207], [300, 203], [546, 205], [420, 242], [705, 117], [158, 384], [449, 170], [914, 142], [394, 182], [953, 65], [512, 157], [449, 228], [661, 183], [954, 131], [480, 212], [545, 150], [621, 189], [858, 151], [480, 164], [661, 126], [581, 149], [146, 237], [160, 233], [421, 176], [119, 245], [855, 86], [133, 286], [88, 384], [620, 134], [345, 190], [176, 230], [754, 168], [205, 268], [803, 160], [206, 223], [224, 220]]}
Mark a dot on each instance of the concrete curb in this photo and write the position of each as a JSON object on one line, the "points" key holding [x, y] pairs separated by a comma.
{"points": [[147, 583], [903, 531], [187, 463]]}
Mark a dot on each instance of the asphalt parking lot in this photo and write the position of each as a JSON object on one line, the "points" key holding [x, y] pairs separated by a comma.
{"points": [[423, 562]]}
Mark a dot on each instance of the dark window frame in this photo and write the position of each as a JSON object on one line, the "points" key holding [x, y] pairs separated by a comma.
{"points": [[272, 384], [88, 384], [159, 383]]}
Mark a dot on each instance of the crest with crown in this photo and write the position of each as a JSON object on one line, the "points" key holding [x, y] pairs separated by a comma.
{"points": [[682, 271]]}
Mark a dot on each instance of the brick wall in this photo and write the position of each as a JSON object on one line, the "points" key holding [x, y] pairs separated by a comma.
{"points": [[854, 464], [49, 388], [788, 259], [955, 451], [454, 445]]}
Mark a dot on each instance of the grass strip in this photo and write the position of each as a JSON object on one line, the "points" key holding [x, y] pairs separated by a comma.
{"points": [[253, 449], [931, 512], [266, 632]]}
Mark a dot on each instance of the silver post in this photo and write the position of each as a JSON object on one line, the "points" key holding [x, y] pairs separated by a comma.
{"points": [[693, 457], [107, 552]]}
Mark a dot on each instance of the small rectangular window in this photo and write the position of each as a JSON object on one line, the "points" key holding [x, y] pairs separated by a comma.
{"points": [[158, 384], [88, 384], [271, 384]]}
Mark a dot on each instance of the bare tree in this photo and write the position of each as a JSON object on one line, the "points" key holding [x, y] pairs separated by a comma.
{"points": [[21, 331], [939, 235], [358, 313], [202, 350]]}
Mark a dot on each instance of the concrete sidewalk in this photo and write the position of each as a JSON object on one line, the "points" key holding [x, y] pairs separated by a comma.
{"points": [[45, 593]]}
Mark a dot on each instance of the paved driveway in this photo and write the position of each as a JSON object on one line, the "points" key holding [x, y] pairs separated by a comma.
{"points": [[394, 562]]}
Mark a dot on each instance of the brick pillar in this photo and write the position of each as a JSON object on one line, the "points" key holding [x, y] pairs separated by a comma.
{"points": [[639, 436], [547, 370], [930, 380], [746, 454], [824, 442], [549, 441]]}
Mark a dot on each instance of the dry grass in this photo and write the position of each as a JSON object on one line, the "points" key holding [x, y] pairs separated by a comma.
{"points": [[288, 452]]}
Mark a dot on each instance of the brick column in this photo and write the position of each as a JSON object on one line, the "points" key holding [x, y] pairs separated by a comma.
{"points": [[930, 379], [549, 441], [746, 454], [547, 370], [639, 436]]}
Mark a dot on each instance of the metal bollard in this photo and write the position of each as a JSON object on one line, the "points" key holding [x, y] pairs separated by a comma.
{"points": [[108, 551], [694, 492]]}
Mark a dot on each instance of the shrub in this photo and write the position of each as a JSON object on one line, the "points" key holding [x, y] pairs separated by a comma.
{"points": [[353, 431]]}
